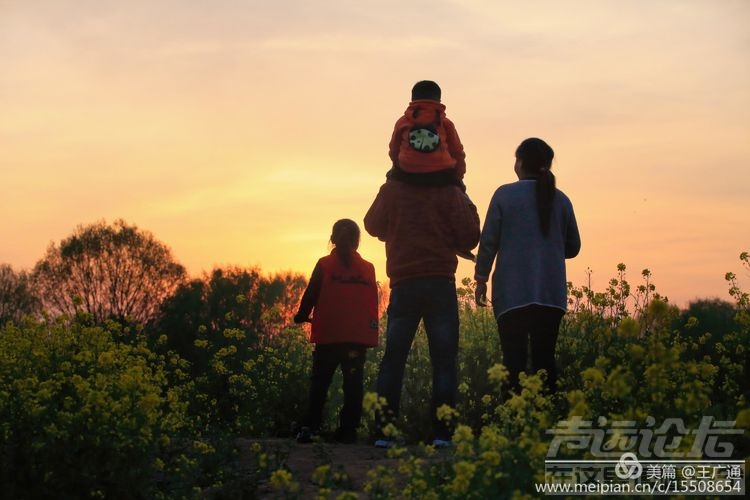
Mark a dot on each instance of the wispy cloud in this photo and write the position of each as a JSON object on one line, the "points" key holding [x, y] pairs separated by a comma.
{"points": [[354, 43], [264, 190]]}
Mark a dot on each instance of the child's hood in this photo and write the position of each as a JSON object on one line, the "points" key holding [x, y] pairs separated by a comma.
{"points": [[424, 110]]}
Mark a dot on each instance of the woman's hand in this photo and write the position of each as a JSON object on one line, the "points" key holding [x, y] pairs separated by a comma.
{"points": [[300, 318]]}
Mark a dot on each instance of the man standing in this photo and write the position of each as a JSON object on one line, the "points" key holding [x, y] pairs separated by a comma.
{"points": [[423, 227]]}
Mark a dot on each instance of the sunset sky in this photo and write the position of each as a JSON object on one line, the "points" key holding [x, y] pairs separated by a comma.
{"points": [[237, 132]]}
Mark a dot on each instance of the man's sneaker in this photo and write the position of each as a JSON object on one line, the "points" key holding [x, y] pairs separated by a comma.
{"points": [[384, 443], [305, 435], [441, 443]]}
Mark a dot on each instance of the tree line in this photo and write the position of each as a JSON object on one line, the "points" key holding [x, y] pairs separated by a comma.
{"points": [[118, 272]]}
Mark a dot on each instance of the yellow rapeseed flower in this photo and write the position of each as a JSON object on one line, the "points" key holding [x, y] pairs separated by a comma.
{"points": [[464, 474], [320, 474], [490, 457], [282, 479], [371, 402], [463, 438], [347, 495], [463, 433], [497, 373], [390, 430], [446, 413], [492, 439]]}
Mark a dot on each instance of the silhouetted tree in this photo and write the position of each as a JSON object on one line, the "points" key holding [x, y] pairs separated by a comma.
{"points": [[16, 297], [279, 296], [227, 299], [714, 316], [710, 321], [107, 272]]}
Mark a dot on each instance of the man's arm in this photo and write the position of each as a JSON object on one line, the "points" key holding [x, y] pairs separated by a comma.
{"points": [[465, 222], [376, 219], [488, 246]]}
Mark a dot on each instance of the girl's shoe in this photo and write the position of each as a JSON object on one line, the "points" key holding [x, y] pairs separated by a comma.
{"points": [[305, 435], [441, 443], [384, 443]]}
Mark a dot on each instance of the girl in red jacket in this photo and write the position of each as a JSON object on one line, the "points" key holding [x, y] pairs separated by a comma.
{"points": [[343, 297]]}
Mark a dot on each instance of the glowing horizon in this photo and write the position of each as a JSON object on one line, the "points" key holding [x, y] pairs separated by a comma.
{"points": [[238, 133]]}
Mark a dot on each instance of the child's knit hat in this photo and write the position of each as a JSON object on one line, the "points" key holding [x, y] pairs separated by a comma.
{"points": [[426, 89]]}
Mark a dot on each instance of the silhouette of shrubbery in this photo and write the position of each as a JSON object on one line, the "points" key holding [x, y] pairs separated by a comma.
{"points": [[154, 410]]}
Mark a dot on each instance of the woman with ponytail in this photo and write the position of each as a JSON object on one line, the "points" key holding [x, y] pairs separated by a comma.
{"points": [[529, 231], [343, 297]]}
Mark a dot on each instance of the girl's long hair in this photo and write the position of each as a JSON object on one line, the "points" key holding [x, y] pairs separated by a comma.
{"points": [[536, 161], [345, 237]]}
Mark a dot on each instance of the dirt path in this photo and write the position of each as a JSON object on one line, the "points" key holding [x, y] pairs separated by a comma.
{"points": [[355, 460]]}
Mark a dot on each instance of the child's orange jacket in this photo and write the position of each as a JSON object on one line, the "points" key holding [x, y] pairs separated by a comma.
{"points": [[450, 151]]}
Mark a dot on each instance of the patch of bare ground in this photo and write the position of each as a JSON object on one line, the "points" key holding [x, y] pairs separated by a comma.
{"points": [[354, 460]]}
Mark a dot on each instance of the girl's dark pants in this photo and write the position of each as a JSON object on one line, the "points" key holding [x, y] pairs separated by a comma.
{"points": [[326, 358], [533, 325]]}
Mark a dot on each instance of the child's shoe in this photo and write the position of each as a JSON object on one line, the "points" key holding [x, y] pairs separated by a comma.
{"points": [[305, 435]]}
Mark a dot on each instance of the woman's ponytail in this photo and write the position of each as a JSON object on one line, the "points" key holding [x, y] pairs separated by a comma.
{"points": [[545, 194], [536, 161]]}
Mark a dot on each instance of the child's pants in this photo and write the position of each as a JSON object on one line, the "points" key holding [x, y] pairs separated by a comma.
{"points": [[326, 358]]}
